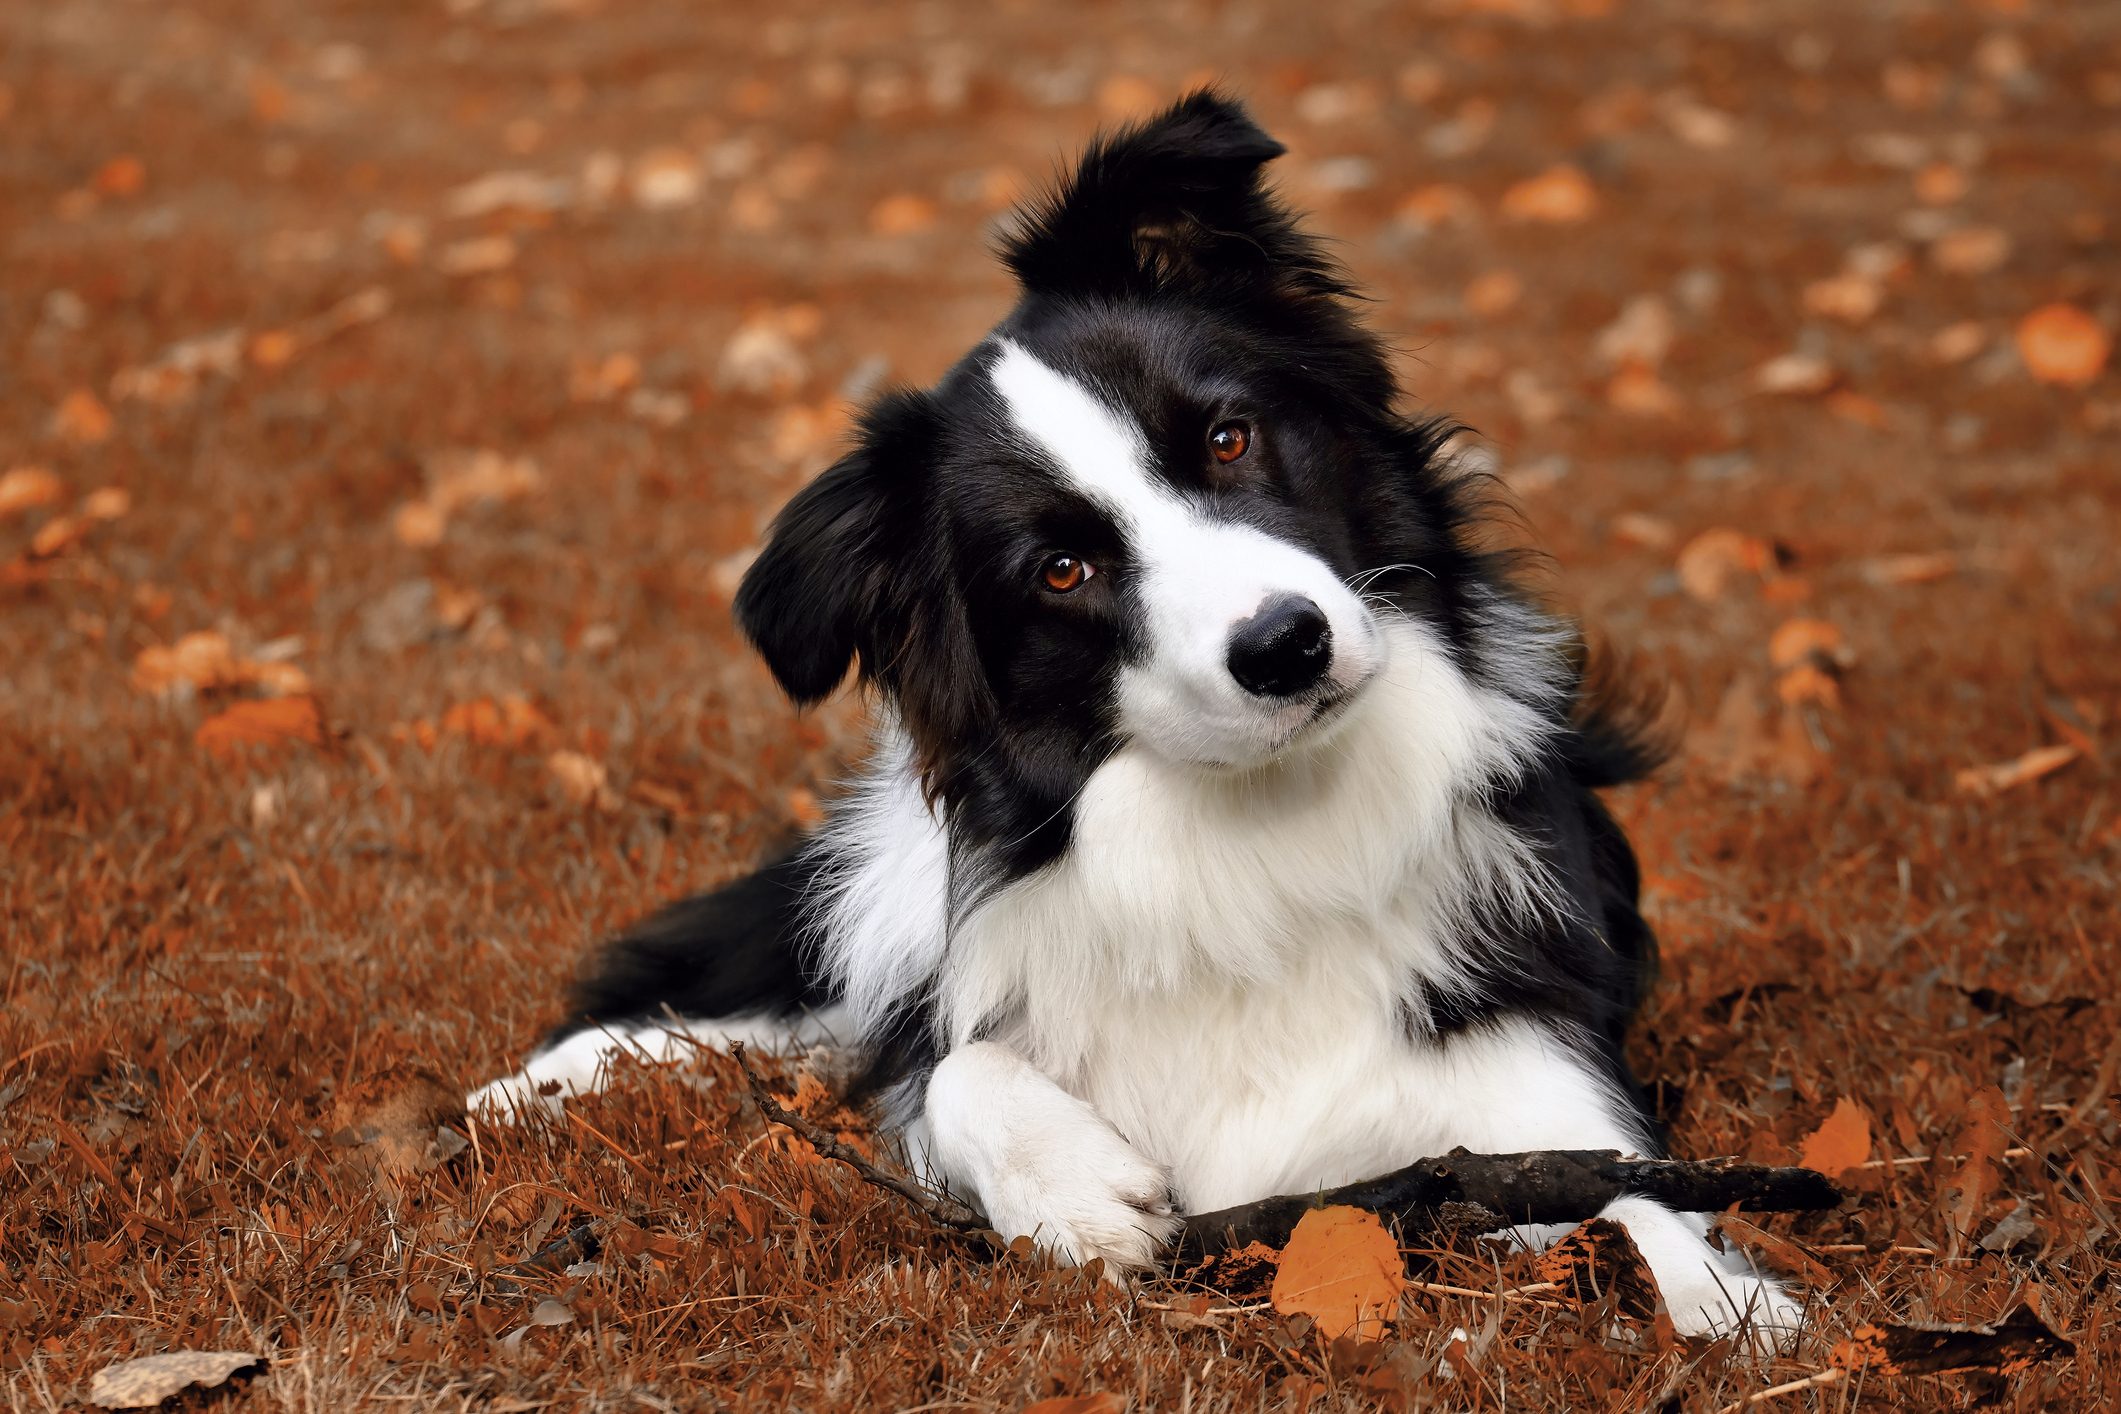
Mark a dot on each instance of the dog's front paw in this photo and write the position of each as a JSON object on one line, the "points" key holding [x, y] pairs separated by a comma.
{"points": [[1080, 1191], [1718, 1302]]}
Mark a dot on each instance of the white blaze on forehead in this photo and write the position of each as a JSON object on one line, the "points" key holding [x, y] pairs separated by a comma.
{"points": [[1101, 451], [1197, 576]]}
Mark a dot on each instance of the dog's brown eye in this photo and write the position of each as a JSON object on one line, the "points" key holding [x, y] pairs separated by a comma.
{"points": [[1230, 441], [1063, 573]]}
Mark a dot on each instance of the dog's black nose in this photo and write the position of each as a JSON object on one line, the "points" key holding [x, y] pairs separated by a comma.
{"points": [[1283, 649]]}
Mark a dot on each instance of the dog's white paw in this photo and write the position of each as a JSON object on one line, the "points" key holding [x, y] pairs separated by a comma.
{"points": [[512, 1099], [1713, 1301], [1080, 1191]]}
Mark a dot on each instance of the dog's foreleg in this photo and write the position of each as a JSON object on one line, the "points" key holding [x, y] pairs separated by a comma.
{"points": [[1041, 1163]]}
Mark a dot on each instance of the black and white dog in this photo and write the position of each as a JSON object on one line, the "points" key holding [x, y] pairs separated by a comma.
{"points": [[1231, 829]]}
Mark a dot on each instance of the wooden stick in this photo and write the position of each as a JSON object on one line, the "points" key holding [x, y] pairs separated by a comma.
{"points": [[1502, 1190]]}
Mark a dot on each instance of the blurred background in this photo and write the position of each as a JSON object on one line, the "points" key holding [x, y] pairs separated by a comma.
{"points": [[392, 394]]}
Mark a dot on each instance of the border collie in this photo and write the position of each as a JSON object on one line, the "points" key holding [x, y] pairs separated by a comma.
{"points": [[1231, 827]]}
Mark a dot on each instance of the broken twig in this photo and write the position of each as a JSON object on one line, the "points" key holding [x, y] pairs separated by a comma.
{"points": [[944, 1212], [1549, 1186]]}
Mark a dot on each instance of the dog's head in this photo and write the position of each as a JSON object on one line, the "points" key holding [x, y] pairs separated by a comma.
{"points": [[1162, 506]]}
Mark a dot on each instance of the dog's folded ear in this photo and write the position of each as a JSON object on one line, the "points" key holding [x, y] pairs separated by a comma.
{"points": [[822, 588], [1176, 199]]}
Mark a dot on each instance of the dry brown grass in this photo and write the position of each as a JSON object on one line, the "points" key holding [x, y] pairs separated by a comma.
{"points": [[222, 972]]}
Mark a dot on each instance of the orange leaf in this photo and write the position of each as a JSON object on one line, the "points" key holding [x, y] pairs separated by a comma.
{"points": [[1559, 196], [1851, 298], [57, 534], [1809, 640], [1641, 528], [1079, 1404], [1971, 250], [1342, 1269], [1916, 568], [25, 487], [1638, 391], [582, 779], [107, 503], [121, 176], [1713, 559], [1807, 683], [512, 722], [2061, 344], [1981, 1140], [82, 418], [901, 215], [1841, 1142], [269, 722], [1493, 293], [1600, 1259]]}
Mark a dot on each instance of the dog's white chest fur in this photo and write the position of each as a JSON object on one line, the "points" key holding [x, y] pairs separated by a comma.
{"points": [[1217, 964]]}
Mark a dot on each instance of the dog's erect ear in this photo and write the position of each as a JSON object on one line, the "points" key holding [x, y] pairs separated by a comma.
{"points": [[1177, 198], [821, 590]]}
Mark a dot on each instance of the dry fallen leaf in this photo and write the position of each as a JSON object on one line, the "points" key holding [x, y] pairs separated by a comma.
{"points": [[120, 176], [1809, 684], [148, 1381], [1971, 250], [107, 503], [665, 178], [1940, 184], [1437, 204], [1956, 343], [902, 215], [1599, 1259], [2012, 1344], [1794, 375], [419, 524], [1128, 96], [1493, 293], [390, 1122], [1641, 528], [1079, 1404], [26, 487], [1782, 1252], [762, 357], [1918, 568], [204, 661], [2003, 775], [1561, 195], [1980, 1143], [57, 534], [598, 380], [1712, 560], [582, 779], [1841, 1142], [1342, 1269], [82, 419], [460, 479], [512, 722], [2063, 345], [477, 255], [1851, 406], [1850, 298], [263, 722], [1637, 391], [1802, 640]]}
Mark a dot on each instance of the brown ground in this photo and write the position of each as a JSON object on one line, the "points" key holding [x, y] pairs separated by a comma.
{"points": [[238, 978]]}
